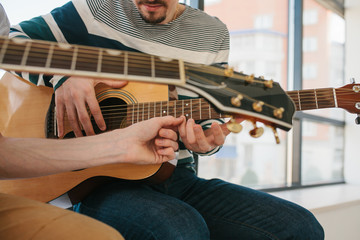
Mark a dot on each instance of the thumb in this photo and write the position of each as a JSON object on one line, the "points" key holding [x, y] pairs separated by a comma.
{"points": [[170, 121], [113, 83]]}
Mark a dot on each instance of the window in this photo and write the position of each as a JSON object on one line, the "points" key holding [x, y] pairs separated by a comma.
{"points": [[322, 151], [263, 22], [310, 71], [258, 45], [310, 44], [269, 38], [310, 17]]}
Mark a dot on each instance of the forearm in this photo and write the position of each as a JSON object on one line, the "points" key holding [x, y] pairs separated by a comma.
{"points": [[37, 157]]}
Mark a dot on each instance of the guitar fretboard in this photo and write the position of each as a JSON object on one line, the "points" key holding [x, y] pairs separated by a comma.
{"points": [[314, 98], [197, 109], [65, 59], [200, 109]]}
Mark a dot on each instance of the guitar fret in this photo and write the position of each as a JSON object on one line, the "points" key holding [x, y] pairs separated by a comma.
{"points": [[49, 56], [335, 97], [154, 109], [200, 107], [149, 110], [167, 104], [152, 67], [160, 109], [182, 107], [316, 99], [133, 113], [100, 58], [175, 109], [3, 50], [138, 111], [299, 100], [209, 112], [191, 108], [26, 53], [74, 58], [143, 111], [126, 64]]}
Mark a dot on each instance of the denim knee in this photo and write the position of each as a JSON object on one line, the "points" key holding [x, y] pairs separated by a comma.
{"points": [[306, 227], [183, 223]]}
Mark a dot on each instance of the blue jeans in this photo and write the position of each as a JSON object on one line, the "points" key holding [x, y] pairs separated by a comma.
{"points": [[188, 207]]}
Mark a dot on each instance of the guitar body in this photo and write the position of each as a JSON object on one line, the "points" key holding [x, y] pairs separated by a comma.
{"points": [[23, 114], [23, 107]]}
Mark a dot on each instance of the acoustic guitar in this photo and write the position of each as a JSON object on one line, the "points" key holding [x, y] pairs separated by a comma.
{"points": [[29, 111]]}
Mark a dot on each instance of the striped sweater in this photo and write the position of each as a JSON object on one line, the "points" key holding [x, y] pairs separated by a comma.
{"points": [[193, 37]]}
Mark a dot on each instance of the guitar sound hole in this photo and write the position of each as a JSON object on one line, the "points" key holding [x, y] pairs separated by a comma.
{"points": [[114, 111]]}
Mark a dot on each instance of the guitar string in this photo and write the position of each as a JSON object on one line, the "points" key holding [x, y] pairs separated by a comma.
{"points": [[95, 52], [303, 96], [146, 58], [66, 56], [305, 100], [138, 109], [191, 74], [122, 116]]}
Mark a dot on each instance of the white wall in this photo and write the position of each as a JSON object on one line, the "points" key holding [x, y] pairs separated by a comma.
{"points": [[342, 221]]}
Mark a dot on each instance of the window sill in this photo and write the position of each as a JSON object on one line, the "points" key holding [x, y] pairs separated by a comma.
{"points": [[325, 198]]}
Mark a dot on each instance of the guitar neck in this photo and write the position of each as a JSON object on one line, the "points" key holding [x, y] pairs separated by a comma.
{"points": [[200, 109], [314, 98], [197, 109], [20, 54]]}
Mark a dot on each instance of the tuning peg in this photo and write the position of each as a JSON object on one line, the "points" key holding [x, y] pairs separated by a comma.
{"points": [[228, 71], [233, 126], [276, 135], [236, 101], [352, 80], [357, 119], [257, 106], [250, 79], [256, 131], [278, 112], [269, 83]]}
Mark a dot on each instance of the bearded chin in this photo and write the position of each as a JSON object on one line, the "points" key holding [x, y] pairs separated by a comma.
{"points": [[152, 20]]}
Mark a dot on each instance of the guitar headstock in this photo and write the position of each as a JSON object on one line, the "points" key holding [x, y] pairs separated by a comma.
{"points": [[348, 98], [245, 96]]}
